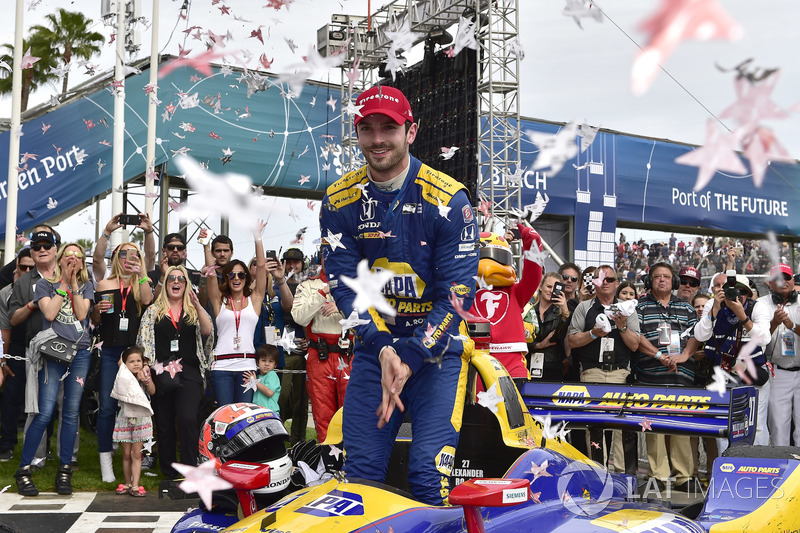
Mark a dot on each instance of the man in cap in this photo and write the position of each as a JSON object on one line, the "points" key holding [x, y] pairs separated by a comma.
{"points": [[725, 327], [21, 307], [690, 283], [173, 253], [293, 401], [416, 224], [777, 315]]}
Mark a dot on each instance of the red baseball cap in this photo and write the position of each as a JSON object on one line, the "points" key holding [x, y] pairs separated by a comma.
{"points": [[782, 268], [689, 272], [384, 100]]}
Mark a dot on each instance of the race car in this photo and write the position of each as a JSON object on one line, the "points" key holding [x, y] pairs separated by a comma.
{"points": [[499, 454]]}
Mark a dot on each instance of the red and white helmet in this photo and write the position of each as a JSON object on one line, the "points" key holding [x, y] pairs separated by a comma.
{"points": [[248, 432]]}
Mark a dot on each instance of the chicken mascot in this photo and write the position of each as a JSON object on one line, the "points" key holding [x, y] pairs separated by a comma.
{"points": [[501, 297]]}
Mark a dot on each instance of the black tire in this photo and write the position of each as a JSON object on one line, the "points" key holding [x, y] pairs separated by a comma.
{"points": [[90, 407], [763, 452]]}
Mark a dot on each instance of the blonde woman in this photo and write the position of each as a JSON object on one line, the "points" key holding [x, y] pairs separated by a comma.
{"points": [[172, 329], [121, 300], [64, 300], [552, 313]]}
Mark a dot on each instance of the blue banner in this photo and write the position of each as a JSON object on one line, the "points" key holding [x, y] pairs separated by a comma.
{"points": [[650, 188], [229, 121]]}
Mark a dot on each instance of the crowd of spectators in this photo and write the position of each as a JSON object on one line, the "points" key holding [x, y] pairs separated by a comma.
{"points": [[707, 254]]}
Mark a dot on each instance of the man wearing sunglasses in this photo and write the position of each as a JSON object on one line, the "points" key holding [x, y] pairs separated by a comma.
{"points": [[173, 253], [778, 314], [13, 370], [690, 283], [23, 310], [605, 357]]}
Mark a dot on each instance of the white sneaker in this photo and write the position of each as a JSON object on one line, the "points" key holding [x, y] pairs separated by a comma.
{"points": [[107, 467]]}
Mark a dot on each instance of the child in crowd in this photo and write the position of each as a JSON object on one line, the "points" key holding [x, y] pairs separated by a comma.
{"points": [[268, 388], [626, 291], [133, 426]]}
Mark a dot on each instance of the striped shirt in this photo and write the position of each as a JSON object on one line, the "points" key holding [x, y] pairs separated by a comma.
{"points": [[681, 317]]}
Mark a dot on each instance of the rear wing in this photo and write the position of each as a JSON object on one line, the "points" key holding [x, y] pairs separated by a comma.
{"points": [[676, 410]]}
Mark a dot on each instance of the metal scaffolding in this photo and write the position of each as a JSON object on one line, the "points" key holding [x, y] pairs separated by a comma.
{"points": [[364, 42]]}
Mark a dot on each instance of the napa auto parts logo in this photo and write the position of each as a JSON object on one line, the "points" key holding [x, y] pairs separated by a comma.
{"points": [[335, 503]]}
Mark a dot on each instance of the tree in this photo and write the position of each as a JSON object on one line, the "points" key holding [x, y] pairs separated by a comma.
{"points": [[69, 36], [86, 244], [32, 78]]}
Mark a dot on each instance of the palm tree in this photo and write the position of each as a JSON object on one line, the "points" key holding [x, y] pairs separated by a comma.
{"points": [[69, 37], [86, 244], [32, 78]]}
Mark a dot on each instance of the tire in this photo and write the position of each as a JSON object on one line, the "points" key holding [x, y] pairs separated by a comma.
{"points": [[763, 452], [90, 407]]}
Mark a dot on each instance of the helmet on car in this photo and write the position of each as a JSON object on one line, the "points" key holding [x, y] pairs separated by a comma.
{"points": [[250, 433], [496, 265]]}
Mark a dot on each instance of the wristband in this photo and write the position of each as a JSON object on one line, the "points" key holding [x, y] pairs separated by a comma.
{"points": [[592, 334], [28, 305], [283, 281], [149, 232], [658, 356], [160, 283], [106, 236], [142, 281], [61, 293]]}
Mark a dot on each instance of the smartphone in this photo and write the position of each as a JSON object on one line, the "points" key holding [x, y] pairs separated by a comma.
{"points": [[272, 254], [515, 232], [558, 289], [129, 220], [587, 282]]}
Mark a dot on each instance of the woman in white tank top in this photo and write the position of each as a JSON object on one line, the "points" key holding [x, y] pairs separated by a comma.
{"points": [[231, 297]]}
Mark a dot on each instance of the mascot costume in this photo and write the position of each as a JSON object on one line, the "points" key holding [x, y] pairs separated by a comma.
{"points": [[501, 298]]}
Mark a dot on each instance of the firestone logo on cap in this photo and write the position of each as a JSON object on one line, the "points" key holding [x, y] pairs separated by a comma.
{"points": [[384, 101]]}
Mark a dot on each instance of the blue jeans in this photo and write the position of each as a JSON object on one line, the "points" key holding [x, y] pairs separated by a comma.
{"points": [[49, 385], [108, 405], [228, 387]]}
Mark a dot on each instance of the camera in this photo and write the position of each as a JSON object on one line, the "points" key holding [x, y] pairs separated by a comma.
{"points": [[129, 220], [558, 289], [729, 289]]}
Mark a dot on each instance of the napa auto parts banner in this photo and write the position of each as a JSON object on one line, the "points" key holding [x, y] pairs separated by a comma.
{"points": [[640, 178]]}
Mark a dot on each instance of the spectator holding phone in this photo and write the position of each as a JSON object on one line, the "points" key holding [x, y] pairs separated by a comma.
{"points": [[121, 300], [139, 220], [552, 314]]}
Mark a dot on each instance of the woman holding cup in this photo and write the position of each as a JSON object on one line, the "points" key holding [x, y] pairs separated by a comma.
{"points": [[121, 299]]}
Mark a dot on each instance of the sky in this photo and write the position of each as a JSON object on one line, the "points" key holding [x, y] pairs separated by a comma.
{"points": [[567, 72]]}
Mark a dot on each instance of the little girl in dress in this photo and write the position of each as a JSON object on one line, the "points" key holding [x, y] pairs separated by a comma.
{"points": [[133, 426]]}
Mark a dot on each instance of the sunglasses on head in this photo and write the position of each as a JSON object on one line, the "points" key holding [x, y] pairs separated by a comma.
{"points": [[173, 247], [567, 277], [25, 268], [39, 247], [690, 282], [128, 252], [234, 275], [75, 253], [180, 278]]}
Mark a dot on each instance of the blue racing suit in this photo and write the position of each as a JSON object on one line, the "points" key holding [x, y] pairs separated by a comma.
{"points": [[426, 234]]}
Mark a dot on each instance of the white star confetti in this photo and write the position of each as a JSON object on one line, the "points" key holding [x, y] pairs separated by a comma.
{"points": [[368, 288]]}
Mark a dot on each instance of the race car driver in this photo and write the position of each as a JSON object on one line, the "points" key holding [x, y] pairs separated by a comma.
{"points": [[402, 216]]}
